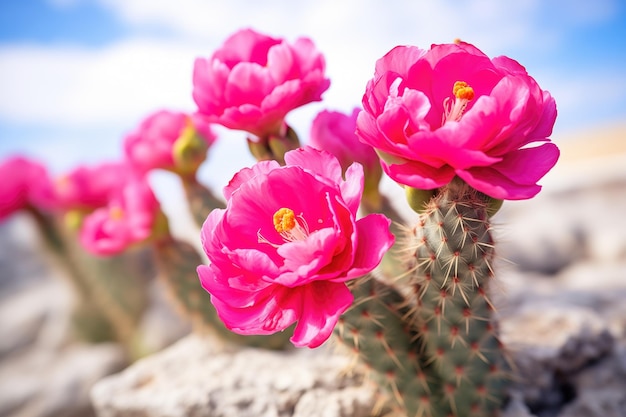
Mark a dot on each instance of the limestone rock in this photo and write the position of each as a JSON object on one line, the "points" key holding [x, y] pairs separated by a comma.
{"points": [[40, 383], [197, 377]]}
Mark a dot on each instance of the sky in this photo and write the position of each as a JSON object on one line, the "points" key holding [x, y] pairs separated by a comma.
{"points": [[77, 75]]}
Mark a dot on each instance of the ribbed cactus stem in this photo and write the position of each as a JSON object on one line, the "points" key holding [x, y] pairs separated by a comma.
{"points": [[376, 329], [451, 269], [200, 199], [89, 322]]}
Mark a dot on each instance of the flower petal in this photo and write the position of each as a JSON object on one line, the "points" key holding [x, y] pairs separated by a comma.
{"points": [[321, 304], [321, 163], [275, 309], [374, 240]]}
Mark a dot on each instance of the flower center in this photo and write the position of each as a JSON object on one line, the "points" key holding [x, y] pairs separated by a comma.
{"points": [[455, 107], [116, 213], [284, 220], [289, 226]]}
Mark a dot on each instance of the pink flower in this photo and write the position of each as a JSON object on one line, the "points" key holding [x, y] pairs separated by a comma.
{"points": [[286, 244], [90, 187], [254, 80], [452, 111], [127, 219], [334, 132], [159, 139], [24, 183]]}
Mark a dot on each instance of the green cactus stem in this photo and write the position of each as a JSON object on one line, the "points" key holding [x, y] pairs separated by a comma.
{"points": [[377, 330], [450, 265], [200, 199], [89, 322]]}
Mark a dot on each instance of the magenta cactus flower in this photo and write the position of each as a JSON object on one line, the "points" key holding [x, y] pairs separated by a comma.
{"points": [[254, 80], [287, 242], [161, 139], [451, 111], [335, 132], [127, 219], [87, 188], [25, 183]]}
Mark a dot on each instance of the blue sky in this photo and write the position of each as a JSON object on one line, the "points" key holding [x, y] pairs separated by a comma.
{"points": [[75, 75]]}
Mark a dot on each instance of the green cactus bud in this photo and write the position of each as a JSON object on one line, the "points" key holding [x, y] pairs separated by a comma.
{"points": [[493, 206], [259, 149], [417, 198], [280, 145], [189, 151]]}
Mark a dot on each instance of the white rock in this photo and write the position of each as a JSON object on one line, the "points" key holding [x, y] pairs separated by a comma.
{"points": [[196, 377]]}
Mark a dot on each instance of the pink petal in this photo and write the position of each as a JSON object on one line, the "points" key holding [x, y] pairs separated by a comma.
{"points": [[248, 83], [321, 305], [399, 59], [528, 165], [245, 174], [420, 175], [253, 261], [275, 309], [215, 282], [352, 187], [496, 185], [280, 63], [374, 240], [304, 258], [321, 163]]}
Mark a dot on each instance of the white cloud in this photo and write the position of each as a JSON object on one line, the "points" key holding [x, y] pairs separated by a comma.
{"points": [[76, 87]]}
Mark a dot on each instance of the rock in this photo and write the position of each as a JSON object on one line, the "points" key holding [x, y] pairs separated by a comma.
{"points": [[560, 328], [197, 377], [42, 373], [558, 229], [601, 389], [40, 383], [161, 325]]}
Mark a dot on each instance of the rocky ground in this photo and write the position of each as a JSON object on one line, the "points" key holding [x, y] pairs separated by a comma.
{"points": [[561, 301]]}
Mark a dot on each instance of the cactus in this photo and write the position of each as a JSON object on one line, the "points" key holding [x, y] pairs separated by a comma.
{"points": [[376, 330], [451, 253], [200, 199], [110, 293], [432, 342], [177, 262]]}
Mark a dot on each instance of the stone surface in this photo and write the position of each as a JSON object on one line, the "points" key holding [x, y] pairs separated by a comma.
{"points": [[47, 383], [198, 377]]}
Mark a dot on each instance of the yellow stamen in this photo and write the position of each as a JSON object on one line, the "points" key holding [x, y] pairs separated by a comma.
{"points": [[454, 109], [290, 227], [284, 220], [116, 213], [463, 91]]}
